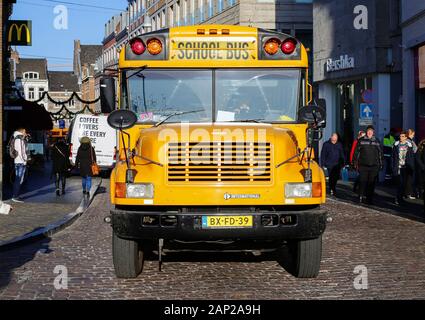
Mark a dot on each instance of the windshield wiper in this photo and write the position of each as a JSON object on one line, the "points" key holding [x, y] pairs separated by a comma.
{"points": [[248, 120], [138, 72], [178, 113]]}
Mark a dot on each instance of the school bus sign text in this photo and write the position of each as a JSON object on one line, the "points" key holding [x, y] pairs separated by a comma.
{"points": [[19, 32], [213, 50]]}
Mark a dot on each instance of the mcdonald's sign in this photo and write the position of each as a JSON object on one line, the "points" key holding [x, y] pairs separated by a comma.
{"points": [[19, 32]]}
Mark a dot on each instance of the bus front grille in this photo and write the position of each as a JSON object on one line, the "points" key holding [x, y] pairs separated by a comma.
{"points": [[227, 162]]}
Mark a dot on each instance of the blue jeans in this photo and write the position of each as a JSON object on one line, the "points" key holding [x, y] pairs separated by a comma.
{"points": [[86, 183], [19, 179]]}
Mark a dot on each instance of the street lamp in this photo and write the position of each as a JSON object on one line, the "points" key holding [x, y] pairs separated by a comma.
{"points": [[147, 24]]}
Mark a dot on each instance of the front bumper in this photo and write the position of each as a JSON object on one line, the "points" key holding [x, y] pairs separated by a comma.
{"points": [[307, 224]]}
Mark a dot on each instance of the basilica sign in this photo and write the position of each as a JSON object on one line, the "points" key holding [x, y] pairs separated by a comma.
{"points": [[343, 63]]}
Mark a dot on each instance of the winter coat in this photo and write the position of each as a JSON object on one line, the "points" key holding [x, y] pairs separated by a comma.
{"points": [[420, 161], [368, 153], [21, 147], [332, 155], [60, 157], [86, 156], [415, 147], [410, 157]]}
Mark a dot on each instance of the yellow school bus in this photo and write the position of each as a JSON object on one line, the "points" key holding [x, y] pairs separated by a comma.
{"points": [[212, 149]]}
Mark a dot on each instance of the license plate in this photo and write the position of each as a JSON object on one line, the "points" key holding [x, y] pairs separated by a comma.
{"points": [[217, 222]]}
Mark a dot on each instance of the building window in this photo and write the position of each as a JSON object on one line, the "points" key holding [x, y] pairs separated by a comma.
{"points": [[40, 92], [171, 16], [163, 20], [200, 10], [31, 94], [71, 103], [220, 5], [184, 12], [210, 8], [192, 12], [31, 75], [178, 13]]}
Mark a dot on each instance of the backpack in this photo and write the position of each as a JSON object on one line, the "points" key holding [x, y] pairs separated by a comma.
{"points": [[11, 147]]}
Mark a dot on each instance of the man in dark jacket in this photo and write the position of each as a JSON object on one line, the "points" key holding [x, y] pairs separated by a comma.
{"points": [[420, 161], [368, 158], [60, 164], [403, 164], [332, 158]]}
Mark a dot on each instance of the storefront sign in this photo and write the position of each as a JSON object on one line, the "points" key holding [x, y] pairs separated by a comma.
{"points": [[343, 63], [19, 32], [366, 114], [421, 67]]}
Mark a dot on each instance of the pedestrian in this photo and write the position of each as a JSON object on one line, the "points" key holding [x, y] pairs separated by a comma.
{"points": [[368, 158], [403, 163], [332, 158], [360, 135], [411, 181], [420, 161], [18, 151], [389, 141], [86, 156], [61, 164]]}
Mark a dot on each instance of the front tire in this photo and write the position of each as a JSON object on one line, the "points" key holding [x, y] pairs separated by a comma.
{"points": [[308, 256], [128, 257], [303, 258]]}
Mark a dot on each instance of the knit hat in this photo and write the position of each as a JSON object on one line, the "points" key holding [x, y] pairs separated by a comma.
{"points": [[84, 140], [370, 128]]}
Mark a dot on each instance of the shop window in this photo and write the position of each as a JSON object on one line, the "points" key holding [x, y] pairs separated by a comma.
{"points": [[40, 92], [31, 94]]}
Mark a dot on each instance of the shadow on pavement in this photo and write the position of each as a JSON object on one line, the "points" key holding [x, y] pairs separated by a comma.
{"points": [[101, 190], [383, 201], [13, 258]]}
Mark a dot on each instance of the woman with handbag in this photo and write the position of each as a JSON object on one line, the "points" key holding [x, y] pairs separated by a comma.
{"points": [[60, 164], [86, 163]]}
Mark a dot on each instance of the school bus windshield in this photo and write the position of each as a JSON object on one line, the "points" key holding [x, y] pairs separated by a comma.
{"points": [[220, 95]]}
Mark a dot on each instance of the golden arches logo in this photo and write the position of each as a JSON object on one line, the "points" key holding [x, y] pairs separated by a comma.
{"points": [[17, 28]]}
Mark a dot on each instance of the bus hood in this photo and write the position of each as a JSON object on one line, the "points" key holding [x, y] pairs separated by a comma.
{"points": [[168, 141]]}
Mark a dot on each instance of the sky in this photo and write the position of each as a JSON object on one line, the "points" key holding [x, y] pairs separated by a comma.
{"points": [[51, 39]]}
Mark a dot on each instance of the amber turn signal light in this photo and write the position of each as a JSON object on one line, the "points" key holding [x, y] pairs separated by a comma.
{"points": [[120, 190], [317, 189], [272, 46], [154, 46]]}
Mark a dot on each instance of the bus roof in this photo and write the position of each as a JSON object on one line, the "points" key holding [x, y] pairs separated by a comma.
{"points": [[212, 46]]}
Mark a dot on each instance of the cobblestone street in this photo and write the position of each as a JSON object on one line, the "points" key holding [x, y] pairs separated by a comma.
{"points": [[392, 249]]}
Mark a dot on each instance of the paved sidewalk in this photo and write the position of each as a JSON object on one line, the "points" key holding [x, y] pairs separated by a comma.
{"points": [[384, 200], [41, 206]]}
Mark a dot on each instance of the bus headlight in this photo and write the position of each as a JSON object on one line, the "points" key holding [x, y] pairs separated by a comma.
{"points": [[140, 190], [298, 190]]}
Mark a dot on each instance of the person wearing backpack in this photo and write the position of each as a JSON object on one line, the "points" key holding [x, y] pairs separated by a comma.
{"points": [[86, 157], [18, 152], [60, 164]]}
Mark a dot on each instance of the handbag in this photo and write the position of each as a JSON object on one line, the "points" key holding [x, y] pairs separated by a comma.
{"points": [[94, 167]]}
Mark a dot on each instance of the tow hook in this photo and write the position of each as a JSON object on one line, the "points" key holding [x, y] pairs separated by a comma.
{"points": [[107, 219]]}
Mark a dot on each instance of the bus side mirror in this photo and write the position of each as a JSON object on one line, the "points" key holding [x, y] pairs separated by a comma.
{"points": [[314, 115], [322, 103], [107, 94]]}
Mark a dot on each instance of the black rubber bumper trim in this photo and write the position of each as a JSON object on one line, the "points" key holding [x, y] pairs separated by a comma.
{"points": [[128, 224]]}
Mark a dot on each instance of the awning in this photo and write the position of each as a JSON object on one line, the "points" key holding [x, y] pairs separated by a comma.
{"points": [[26, 114]]}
